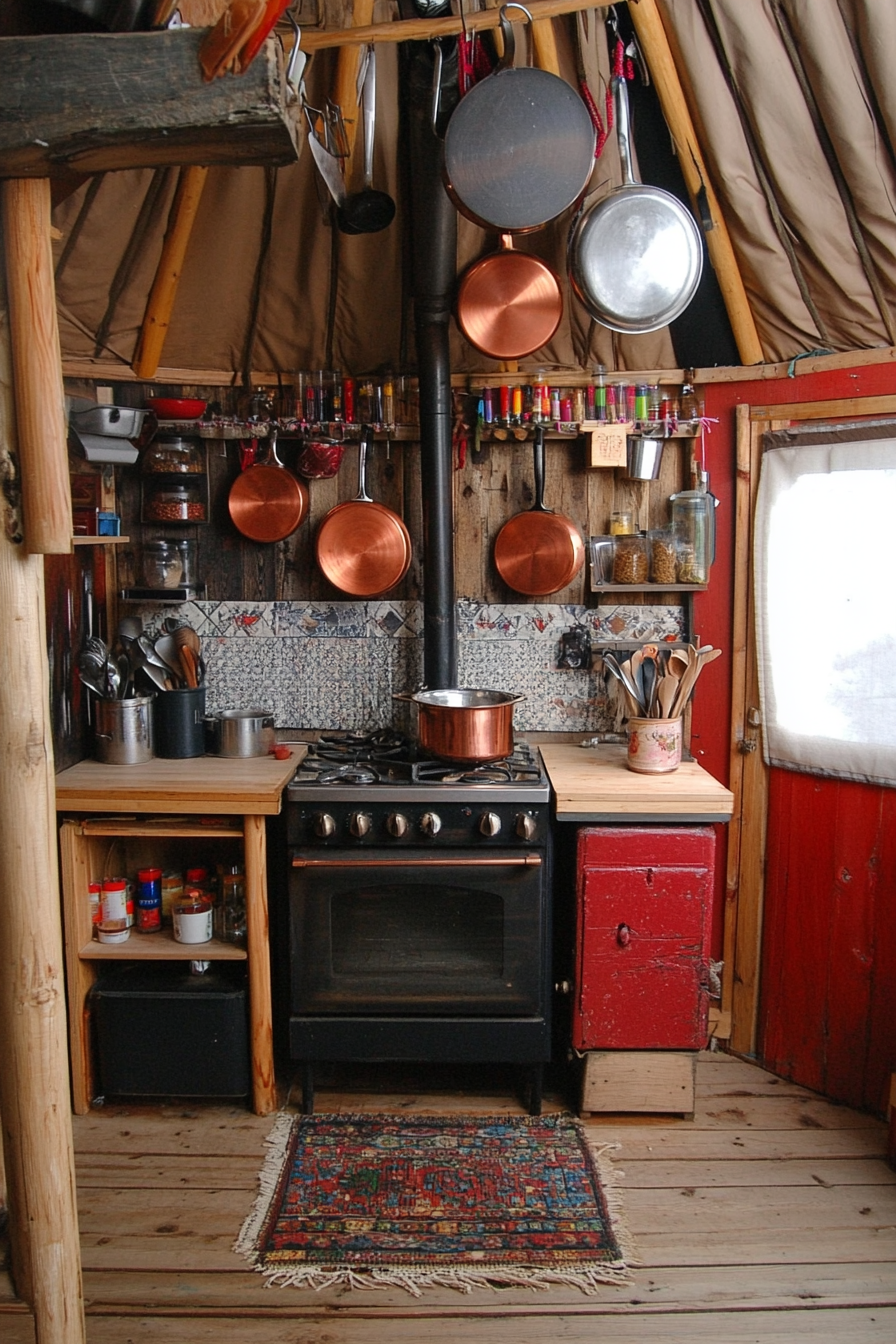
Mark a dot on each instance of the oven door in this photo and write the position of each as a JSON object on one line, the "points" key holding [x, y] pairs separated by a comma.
{"points": [[418, 933]]}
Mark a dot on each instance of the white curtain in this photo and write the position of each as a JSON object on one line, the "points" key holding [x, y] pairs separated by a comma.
{"points": [[825, 587]]}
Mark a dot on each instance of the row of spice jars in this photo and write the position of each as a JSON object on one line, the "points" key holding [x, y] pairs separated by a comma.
{"points": [[193, 903], [613, 402]]}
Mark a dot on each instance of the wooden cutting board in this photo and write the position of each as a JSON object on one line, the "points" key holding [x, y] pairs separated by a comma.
{"points": [[594, 783]]}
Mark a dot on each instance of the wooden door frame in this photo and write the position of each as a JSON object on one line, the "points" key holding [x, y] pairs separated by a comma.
{"points": [[749, 777]]}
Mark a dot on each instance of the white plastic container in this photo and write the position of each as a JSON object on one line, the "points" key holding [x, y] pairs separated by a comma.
{"points": [[192, 915]]}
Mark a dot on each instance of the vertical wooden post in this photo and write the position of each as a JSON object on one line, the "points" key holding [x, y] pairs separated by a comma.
{"points": [[34, 1090], [37, 362]]}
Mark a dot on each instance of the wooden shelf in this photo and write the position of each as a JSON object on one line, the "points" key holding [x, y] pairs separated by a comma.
{"points": [[99, 541], [160, 946], [176, 827], [650, 588]]}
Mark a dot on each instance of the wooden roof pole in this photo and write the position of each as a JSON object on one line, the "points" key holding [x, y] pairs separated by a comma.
{"points": [[654, 42], [160, 304], [34, 1076], [345, 94]]}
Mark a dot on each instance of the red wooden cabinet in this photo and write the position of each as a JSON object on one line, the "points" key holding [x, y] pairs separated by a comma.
{"points": [[642, 937]]}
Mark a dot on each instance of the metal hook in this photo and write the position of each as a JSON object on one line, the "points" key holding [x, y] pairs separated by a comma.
{"points": [[297, 57]]}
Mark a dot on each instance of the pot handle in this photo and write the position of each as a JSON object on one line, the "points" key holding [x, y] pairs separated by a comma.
{"points": [[623, 129], [506, 60], [402, 695]]}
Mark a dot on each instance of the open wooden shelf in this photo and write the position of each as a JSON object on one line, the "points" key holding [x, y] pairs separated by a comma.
{"points": [[160, 946]]}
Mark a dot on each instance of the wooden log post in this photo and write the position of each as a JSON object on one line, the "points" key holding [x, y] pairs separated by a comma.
{"points": [[34, 1087], [654, 42], [160, 304], [345, 93], [37, 363]]}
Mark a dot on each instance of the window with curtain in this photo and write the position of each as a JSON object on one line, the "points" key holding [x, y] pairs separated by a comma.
{"points": [[825, 588]]}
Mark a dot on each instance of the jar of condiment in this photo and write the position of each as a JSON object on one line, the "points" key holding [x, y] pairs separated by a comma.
{"points": [[162, 564], [622, 523], [630, 559], [186, 547], [692, 521], [172, 890], [192, 915], [149, 900]]}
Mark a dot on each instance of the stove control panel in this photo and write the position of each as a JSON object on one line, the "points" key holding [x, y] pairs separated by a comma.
{"points": [[335, 824]]}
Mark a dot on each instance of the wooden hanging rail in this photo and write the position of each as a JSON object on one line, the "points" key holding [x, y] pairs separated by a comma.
{"points": [[424, 30]]}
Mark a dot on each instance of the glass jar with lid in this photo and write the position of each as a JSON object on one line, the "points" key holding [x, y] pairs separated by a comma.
{"points": [[174, 456], [630, 559], [162, 564], [174, 503]]}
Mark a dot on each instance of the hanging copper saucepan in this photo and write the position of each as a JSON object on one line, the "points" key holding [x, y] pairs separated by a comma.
{"points": [[519, 146], [539, 552], [362, 547], [266, 501], [509, 304]]}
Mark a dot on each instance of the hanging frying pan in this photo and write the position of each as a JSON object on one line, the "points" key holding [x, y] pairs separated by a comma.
{"points": [[539, 552], [636, 257], [266, 501], [519, 147], [362, 547], [509, 304]]}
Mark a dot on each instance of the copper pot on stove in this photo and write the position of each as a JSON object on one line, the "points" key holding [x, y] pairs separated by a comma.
{"points": [[464, 725]]}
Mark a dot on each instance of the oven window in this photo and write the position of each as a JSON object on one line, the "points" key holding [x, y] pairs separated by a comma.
{"points": [[406, 930]]}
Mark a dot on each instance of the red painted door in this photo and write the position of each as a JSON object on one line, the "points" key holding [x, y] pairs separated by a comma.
{"points": [[642, 940]]}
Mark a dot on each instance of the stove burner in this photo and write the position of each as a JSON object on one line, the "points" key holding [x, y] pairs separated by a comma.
{"points": [[348, 774], [378, 743], [443, 772]]}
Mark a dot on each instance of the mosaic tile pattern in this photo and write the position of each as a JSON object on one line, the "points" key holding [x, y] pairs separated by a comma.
{"points": [[338, 664]]}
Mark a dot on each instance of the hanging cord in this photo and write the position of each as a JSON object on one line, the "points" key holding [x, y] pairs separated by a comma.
{"points": [[270, 183]]}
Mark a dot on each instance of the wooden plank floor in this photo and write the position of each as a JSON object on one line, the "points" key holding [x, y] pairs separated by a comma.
{"points": [[769, 1218]]}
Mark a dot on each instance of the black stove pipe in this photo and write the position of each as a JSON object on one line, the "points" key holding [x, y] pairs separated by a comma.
{"points": [[433, 264]]}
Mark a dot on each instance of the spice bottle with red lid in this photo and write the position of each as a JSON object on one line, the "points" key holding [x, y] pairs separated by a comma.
{"points": [[149, 900]]}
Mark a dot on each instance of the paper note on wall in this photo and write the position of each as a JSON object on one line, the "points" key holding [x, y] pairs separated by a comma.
{"points": [[607, 446]]}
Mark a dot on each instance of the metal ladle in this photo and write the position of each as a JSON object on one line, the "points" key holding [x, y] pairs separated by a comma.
{"points": [[367, 211]]}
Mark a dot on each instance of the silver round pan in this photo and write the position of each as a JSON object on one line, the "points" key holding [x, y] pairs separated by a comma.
{"points": [[635, 258]]}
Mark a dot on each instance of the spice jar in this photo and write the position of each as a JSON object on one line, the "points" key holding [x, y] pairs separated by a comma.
{"points": [[622, 523], [230, 912], [162, 564], [630, 559]]}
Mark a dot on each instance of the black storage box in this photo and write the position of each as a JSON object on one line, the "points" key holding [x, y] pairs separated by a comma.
{"points": [[163, 1031]]}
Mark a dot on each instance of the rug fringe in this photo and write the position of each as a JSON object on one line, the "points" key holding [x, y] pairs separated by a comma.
{"points": [[268, 1179], [610, 1180], [463, 1279]]}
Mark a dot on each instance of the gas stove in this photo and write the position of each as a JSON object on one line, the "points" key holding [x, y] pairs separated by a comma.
{"points": [[378, 788]]}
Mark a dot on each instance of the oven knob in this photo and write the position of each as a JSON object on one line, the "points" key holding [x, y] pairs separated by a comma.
{"points": [[397, 824], [324, 825], [430, 823], [359, 823], [525, 825], [490, 823]]}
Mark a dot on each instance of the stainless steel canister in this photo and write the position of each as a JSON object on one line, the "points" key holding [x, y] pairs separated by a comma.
{"points": [[124, 730]]}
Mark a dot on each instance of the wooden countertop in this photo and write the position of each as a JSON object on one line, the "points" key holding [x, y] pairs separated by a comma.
{"points": [[234, 786], [595, 784]]}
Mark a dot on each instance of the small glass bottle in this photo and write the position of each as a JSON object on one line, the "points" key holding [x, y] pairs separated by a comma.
{"points": [[388, 401], [612, 404], [622, 523], [230, 913], [688, 405], [578, 405], [336, 405], [539, 393]]}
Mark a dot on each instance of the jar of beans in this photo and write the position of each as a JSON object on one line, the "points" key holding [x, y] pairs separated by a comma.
{"points": [[630, 559], [174, 504]]}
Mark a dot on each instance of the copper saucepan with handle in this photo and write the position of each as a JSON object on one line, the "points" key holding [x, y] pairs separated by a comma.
{"points": [[539, 552], [509, 304], [363, 547]]}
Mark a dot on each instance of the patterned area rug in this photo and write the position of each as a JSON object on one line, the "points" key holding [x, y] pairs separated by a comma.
{"points": [[464, 1202]]}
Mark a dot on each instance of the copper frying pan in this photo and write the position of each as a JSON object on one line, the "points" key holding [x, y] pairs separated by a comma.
{"points": [[362, 547], [539, 552], [266, 501], [509, 304]]}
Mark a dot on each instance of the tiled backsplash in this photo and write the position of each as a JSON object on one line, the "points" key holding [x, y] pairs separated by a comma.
{"points": [[337, 665]]}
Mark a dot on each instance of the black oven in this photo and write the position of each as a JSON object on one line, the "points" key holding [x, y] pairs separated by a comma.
{"points": [[420, 918]]}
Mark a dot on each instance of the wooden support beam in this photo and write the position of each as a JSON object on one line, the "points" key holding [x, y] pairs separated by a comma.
{"points": [[425, 30], [34, 1090], [37, 363], [99, 102], [655, 45]]}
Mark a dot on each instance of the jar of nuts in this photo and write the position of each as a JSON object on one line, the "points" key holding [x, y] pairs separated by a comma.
{"points": [[630, 559], [663, 556], [174, 504]]}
